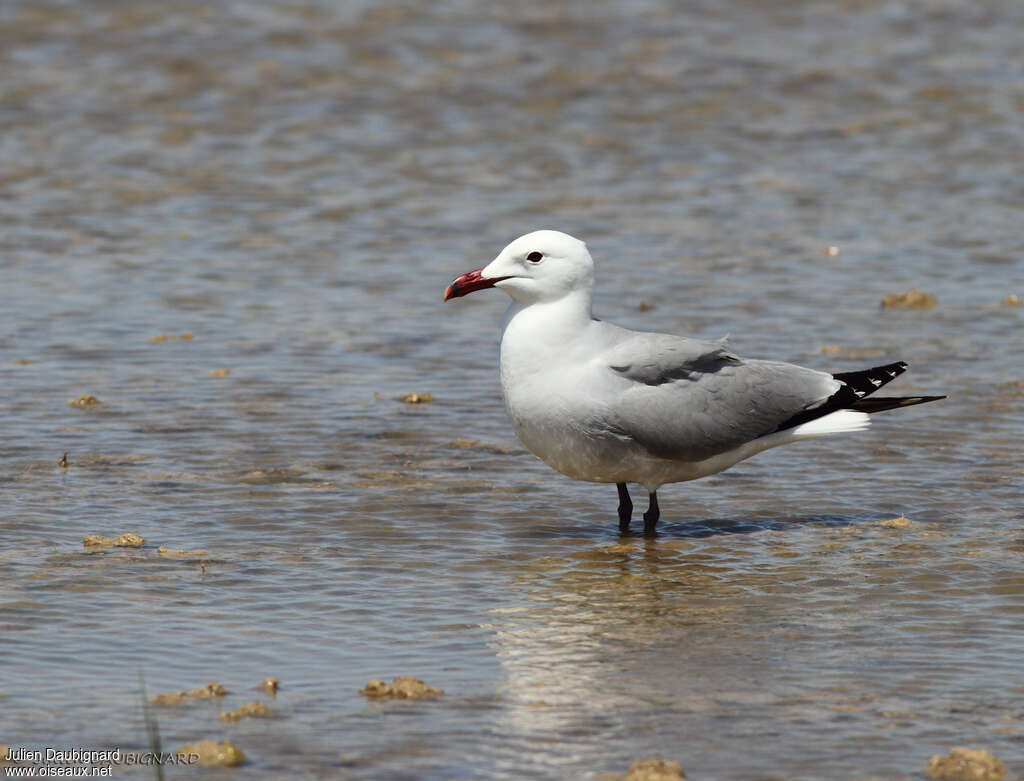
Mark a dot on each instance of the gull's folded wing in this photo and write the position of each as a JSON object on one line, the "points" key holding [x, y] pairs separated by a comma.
{"points": [[689, 400]]}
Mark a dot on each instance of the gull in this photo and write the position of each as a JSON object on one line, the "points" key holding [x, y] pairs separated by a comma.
{"points": [[605, 404]]}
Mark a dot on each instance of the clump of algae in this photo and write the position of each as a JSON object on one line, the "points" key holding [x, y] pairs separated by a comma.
{"points": [[912, 299], [212, 752], [654, 770], [966, 764], [404, 687], [212, 689], [127, 540], [244, 711]]}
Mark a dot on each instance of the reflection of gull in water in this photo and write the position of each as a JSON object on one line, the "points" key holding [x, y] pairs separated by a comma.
{"points": [[694, 650], [606, 639]]}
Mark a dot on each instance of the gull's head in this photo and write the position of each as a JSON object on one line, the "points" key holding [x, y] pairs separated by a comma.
{"points": [[544, 265]]}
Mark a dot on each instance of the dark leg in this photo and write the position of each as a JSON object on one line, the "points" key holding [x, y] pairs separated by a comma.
{"points": [[625, 507], [652, 514]]}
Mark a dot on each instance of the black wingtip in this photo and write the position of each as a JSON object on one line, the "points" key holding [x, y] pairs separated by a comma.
{"points": [[867, 381], [881, 404], [854, 393]]}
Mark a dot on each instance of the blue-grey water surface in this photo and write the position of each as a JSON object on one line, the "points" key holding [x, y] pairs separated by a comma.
{"points": [[292, 184]]}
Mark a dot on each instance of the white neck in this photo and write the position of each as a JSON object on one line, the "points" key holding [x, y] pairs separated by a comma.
{"points": [[536, 336], [558, 318]]}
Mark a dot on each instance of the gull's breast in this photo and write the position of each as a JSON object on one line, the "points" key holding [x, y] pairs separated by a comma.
{"points": [[558, 416]]}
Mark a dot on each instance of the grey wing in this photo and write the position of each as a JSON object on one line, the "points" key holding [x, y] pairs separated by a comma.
{"points": [[654, 359], [689, 400]]}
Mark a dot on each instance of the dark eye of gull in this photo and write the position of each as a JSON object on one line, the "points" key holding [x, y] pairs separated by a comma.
{"points": [[535, 257]]}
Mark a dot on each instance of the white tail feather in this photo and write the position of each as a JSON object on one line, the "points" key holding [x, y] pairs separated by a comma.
{"points": [[836, 422]]}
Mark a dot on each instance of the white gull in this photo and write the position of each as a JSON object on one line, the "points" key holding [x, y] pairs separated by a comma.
{"points": [[602, 403]]}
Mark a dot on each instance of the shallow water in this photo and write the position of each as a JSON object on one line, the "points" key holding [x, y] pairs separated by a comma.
{"points": [[294, 185]]}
